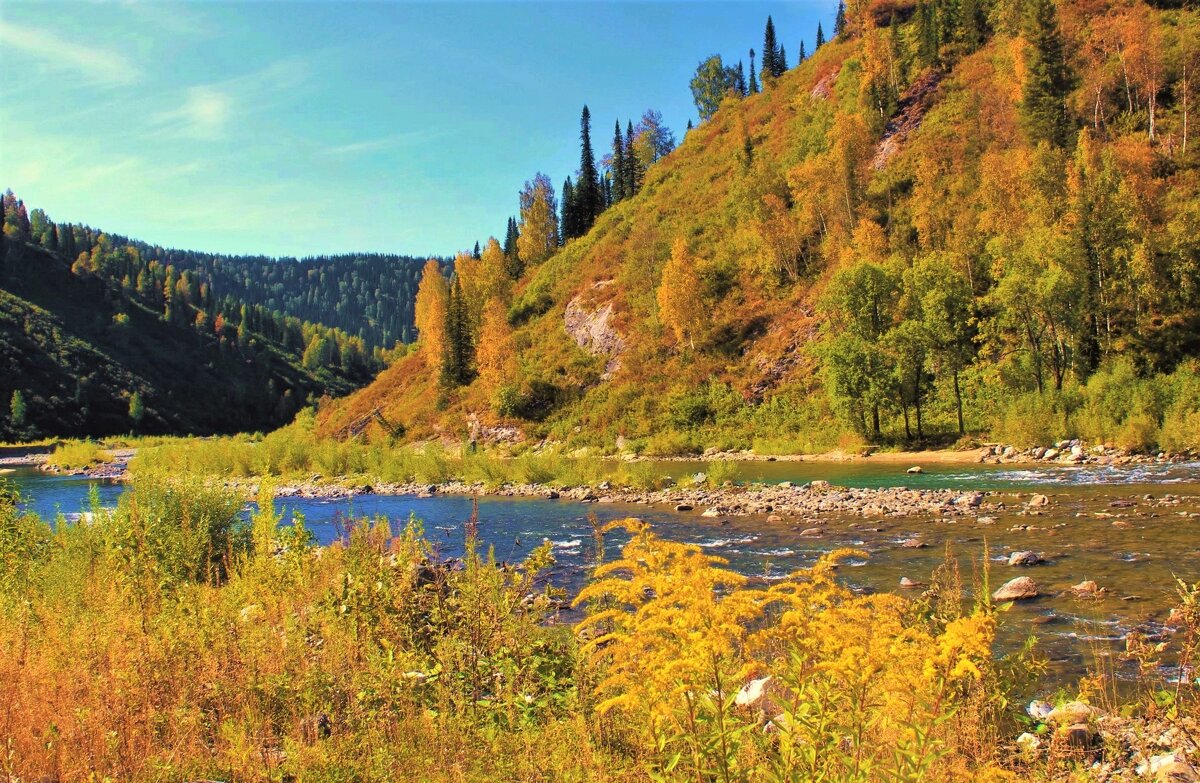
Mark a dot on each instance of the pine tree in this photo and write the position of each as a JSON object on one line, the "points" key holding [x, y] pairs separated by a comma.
{"points": [[618, 164], [475, 253], [781, 61], [753, 77], [769, 51], [1047, 80], [689, 125], [839, 21], [803, 56], [587, 205], [820, 37], [740, 82]]}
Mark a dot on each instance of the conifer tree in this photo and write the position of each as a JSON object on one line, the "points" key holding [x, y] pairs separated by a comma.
{"points": [[839, 21], [569, 223], [633, 172], [586, 206], [820, 37], [459, 363], [476, 251], [740, 82], [928, 37], [618, 164], [769, 51], [512, 260], [803, 55], [781, 61], [1047, 81], [753, 86]]}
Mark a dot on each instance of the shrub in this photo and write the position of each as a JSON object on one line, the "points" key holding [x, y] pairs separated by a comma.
{"points": [[77, 455]]}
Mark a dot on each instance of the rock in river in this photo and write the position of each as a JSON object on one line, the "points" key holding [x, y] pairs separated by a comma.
{"points": [[915, 469], [1038, 500], [1025, 558], [1018, 589]]}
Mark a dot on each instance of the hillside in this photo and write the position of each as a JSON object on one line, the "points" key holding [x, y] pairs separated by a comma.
{"points": [[78, 350], [945, 224]]}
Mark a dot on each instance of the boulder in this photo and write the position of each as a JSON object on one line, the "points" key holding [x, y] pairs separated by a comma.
{"points": [[752, 692], [819, 484], [682, 507], [1087, 589], [1050, 453], [811, 531], [1020, 589], [1037, 501], [907, 583], [1078, 736], [1024, 558], [913, 543], [915, 469], [1072, 713], [1039, 710]]}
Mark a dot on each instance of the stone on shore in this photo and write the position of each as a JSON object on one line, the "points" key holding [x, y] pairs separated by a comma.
{"points": [[1020, 589]]}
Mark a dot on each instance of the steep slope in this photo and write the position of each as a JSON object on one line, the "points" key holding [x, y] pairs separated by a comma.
{"points": [[1018, 267], [78, 348]]}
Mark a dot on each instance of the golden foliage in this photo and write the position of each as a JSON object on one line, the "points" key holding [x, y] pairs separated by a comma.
{"points": [[430, 308], [681, 305], [495, 354]]}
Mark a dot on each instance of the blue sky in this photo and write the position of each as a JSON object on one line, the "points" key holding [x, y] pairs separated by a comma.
{"points": [[289, 128]]}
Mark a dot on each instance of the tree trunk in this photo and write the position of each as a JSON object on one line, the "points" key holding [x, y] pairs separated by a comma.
{"points": [[958, 402]]}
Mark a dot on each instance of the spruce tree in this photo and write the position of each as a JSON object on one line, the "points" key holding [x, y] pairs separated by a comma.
{"points": [[476, 254], [753, 77], [570, 218], [927, 33], [820, 37], [587, 205], [781, 61], [839, 21], [633, 173], [740, 81], [769, 51], [803, 56], [460, 352], [1047, 80], [618, 164], [512, 260]]}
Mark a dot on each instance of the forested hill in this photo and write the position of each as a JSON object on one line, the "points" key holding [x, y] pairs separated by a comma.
{"points": [[102, 342], [955, 220], [367, 295]]}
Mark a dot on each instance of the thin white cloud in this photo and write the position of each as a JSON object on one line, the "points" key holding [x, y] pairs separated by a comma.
{"points": [[204, 114], [373, 145], [96, 65]]}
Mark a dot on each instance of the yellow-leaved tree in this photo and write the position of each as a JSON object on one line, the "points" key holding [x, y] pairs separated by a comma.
{"points": [[482, 279], [681, 305], [539, 221], [495, 354], [430, 313]]}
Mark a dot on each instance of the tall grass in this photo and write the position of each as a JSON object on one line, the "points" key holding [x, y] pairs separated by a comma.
{"points": [[173, 638], [77, 455]]}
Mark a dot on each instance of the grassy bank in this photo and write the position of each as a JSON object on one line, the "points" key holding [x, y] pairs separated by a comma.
{"points": [[170, 639]]}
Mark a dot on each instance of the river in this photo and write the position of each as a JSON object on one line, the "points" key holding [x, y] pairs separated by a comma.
{"points": [[1132, 530]]}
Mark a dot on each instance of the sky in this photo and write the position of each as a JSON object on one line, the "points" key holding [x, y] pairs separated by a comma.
{"points": [[306, 128]]}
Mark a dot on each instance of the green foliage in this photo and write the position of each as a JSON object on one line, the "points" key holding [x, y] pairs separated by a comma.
{"points": [[713, 83], [77, 455]]}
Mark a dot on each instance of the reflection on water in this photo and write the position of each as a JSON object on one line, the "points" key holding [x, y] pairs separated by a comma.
{"points": [[1132, 531]]}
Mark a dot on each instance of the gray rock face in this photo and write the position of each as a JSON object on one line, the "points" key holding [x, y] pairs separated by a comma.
{"points": [[1020, 589]]}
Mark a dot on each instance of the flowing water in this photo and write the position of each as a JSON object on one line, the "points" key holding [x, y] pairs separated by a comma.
{"points": [[1132, 530]]}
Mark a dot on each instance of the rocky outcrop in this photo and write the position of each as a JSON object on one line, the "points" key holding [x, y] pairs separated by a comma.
{"points": [[591, 327]]}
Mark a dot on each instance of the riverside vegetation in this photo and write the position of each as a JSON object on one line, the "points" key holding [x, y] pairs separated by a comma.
{"points": [[174, 638]]}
